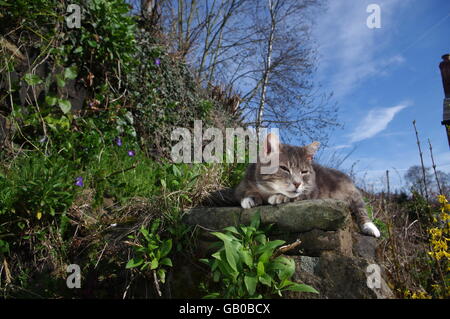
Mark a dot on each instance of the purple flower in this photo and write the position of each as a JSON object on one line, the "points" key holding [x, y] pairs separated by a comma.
{"points": [[157, 61], [79, 181], [131, 153], [119, 141]]}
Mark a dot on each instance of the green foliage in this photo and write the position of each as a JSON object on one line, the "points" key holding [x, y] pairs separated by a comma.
{"points": [[4, 247], [35, 188], [165, 95], [151, 253], [244, 265], [105, 42]]}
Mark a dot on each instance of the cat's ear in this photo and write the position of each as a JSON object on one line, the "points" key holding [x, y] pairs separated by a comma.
{"points": [[311, 150], [271, 144]]}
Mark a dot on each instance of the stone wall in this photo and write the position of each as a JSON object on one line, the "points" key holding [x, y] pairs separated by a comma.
{"points": [[333, 256]]}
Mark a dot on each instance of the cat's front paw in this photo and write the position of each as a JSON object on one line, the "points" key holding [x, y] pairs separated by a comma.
{"points": [[277, 199], [248, 202], [370, 229]]}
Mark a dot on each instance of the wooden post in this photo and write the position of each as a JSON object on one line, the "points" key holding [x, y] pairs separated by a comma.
{"points": [[445, 72], [388, 185]]}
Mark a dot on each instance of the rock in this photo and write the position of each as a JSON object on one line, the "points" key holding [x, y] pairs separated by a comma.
{"points": [[308, 264], [301, 216], [364, 246], [333, 256]]}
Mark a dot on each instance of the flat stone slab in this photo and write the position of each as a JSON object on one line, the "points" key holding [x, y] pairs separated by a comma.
{"points": [[296, 217]]}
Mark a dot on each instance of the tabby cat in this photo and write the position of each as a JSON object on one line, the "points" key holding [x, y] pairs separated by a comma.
{"points": [[299, 178]]}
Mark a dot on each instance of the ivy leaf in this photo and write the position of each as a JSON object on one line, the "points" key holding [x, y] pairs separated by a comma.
{"points": [[51, 100], [64, 105], [60, 80], [32, 79], [70, 73]]}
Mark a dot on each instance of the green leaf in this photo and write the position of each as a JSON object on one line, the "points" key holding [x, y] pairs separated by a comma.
{"points": [[225, 267], [64, 105], [166, 247], [265, 279], [70, 73], [250, 284], [176, 171], [260, 269], [285, 267], [246, 257], [135, 262], [205, 261], [51, 100], [216, 255], [301, 288], [222, 236], [60, 80], [166, 262], [32, 79], [256, 219], [261, 238], [145, 233], [155, 225], [92, 43], [265, 256], [230, 255], [232, 229], [161, 275], [154, 264]]}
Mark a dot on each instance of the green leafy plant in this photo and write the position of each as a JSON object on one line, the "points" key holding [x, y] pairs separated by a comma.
{"points": [[245, 266], [151, 253]]}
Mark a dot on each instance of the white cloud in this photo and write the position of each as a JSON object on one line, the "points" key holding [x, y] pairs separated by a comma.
{"points": [[340, 147], [375, 122]]}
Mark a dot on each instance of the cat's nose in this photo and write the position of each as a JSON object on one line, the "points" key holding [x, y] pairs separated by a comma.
{"points": [[296, 184]]}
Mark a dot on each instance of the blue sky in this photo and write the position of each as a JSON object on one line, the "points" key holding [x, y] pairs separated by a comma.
{"points": [[382, 80]]}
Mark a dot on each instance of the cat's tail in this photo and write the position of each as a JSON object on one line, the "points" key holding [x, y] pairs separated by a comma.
{"points": [[220, 198]]}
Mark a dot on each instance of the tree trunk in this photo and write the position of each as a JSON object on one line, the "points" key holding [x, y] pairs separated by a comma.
{"points": [[262, 100]]}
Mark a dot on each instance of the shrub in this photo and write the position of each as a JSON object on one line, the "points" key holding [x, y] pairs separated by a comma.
{"points": [[245, 267]]}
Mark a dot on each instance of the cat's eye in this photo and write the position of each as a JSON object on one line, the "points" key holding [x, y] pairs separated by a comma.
{"points": [[284, 168], [305, 172]]}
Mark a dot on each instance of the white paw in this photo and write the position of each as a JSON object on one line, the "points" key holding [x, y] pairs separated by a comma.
{"points": [[370, 229], [277, 199], [248, 202]]}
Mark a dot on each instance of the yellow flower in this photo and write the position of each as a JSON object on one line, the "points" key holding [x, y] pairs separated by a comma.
{"points": [[39, 215], [442, 199]]}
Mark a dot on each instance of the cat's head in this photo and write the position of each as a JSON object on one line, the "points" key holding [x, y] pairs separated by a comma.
{"points": [[294, 175]]}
